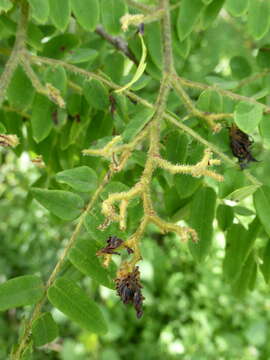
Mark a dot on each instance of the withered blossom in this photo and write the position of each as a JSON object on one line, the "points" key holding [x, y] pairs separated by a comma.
{"points": [[8, 140], [240, 144], [128, 287], [113, 243]]}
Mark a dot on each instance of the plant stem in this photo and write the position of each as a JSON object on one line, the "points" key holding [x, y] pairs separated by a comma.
{"points": [[37, 309], [17, 50], [227, 93], [171, 117]]}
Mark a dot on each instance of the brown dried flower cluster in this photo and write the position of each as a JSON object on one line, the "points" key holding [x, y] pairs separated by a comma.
{"points": [[113, 243], [240, 144], [128, 287], [128, 284]]}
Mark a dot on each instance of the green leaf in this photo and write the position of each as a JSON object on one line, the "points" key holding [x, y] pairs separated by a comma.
{"points": [[258, 18], [20, 91], [262, 206], [96, 94], [186, 185], [82, 55], [57, 77], [211, 12], [5, 5], [233, 259], [237, 7], [176, 147], [265, 130], [81, 178], [240, 67], [184, 47], [20, 291], [40, 10], [114, 66], [242, 193], [210, 101], [243, 211], [83, 257], [248, 116], [138, 122], [86, 12], [233, 179], [111, 13], [265, 266], [113, 187], [44, 329], [58, 46], [92, 224], [225, 216], [71, 300], [189, 14], [246, 277], [154, 43], [64, 204], [60, 13], [263, 56], [201, 219], [41, 118]]}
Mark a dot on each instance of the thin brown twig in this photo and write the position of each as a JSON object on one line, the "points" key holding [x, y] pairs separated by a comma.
{"points": [[118, 42]]}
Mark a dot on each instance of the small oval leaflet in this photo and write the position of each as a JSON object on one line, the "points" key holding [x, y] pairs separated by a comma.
{"points": [[45, 329], [201, 219], [83, 257], [20, 291], [64, 204], [82, 178], [70, 299], [86, 12]]}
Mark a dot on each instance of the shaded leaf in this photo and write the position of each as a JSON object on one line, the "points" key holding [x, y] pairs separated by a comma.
{"points": [[20, 91], [201, 219], [20, 291], [141, 118], [248, 116], [60, 13], [258, 18], [64, 204], [225, 216], [83, 257], [237, 7], [262, 206], [189, 14], [96, 94], [111, 12], [44, 329], [40, 10], [70, 299], [81, 178], [86, 12], [41, 119]]}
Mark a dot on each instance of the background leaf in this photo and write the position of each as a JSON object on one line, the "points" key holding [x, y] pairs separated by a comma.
{"points": [[201, 219], [70, 299], [86, 12], [82, 178], [45, 329], [20, 291], [40, 10], [63, 204]]}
